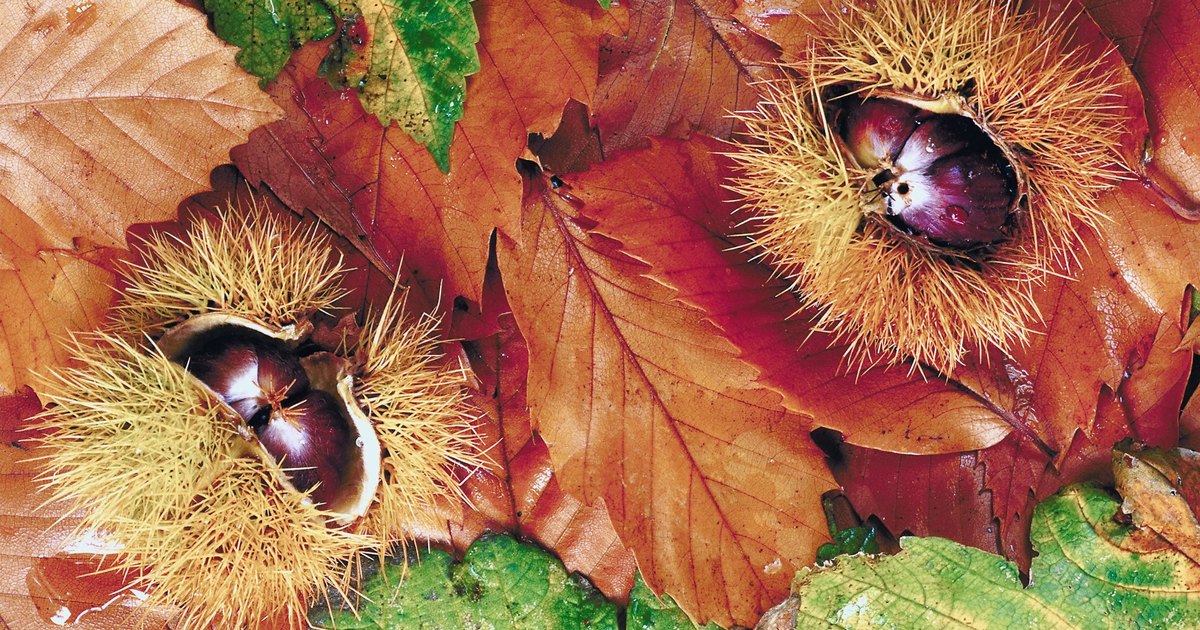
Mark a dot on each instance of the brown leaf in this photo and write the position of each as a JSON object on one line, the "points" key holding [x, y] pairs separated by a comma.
{"points": [[95, 137], [680, 67], [48, 567], [645, 406], [666, 205], [1157, 39], [383, 192], [1161, 489], [581, 535]]}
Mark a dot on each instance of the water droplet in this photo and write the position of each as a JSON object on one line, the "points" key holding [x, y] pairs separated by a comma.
{"points": [[956, 214], [359, 442]]}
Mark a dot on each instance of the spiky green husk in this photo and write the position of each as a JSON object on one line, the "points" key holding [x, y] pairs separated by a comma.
{"points": [[888, 297], [127, 433], [157, 462], [420, 414], [251, 264]]}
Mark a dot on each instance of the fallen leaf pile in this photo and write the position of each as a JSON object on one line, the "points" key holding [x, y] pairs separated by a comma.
{"points": [[659, 411]]}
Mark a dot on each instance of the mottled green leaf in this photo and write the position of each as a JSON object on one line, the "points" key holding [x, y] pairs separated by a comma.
{"points": [[500, 583], [267, 31], [419, 57], [1090, 572], [647, 612]]}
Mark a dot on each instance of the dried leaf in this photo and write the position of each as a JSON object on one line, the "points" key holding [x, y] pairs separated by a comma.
{"points": [[581, 535], [645, 406], [680, 67], [382, 191], [1162, 492], [1157, 39], [666, 205], [94, 138]]}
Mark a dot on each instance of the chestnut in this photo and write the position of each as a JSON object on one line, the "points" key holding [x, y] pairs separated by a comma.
{"points": [[310, 439], [939, 175], [251, 372]]}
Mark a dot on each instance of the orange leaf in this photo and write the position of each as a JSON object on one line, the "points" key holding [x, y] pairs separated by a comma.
{"points": [[1157, 38], [666, 206], [383, 192], [522, 495], [645, 406], [95, 137], [680, 67]]}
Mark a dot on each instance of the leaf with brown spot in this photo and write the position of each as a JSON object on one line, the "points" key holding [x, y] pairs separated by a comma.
{"points": [[1161, 489], [95, 137], [645, 406]]}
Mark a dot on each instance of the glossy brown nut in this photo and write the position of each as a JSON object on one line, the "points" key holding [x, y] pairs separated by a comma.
{"points": [[250, 372], [940, 176], [310, 438], [875, 130]]}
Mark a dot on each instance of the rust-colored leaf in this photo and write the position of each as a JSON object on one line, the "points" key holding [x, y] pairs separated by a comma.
{"points": [[1157, 38], [519, 493], [645, 406], [680, 67], [384, 192], [666, 205], [49, 569], [95, 137]]}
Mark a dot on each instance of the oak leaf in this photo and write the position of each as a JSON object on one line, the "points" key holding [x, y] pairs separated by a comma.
{"points": [[645, 406], [95, 137]]}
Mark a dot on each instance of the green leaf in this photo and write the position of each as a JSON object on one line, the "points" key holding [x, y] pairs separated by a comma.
{"points": [[267, 31], [647, 612], [847, 542], [420, 55], [500, 583], [1090, 572]]}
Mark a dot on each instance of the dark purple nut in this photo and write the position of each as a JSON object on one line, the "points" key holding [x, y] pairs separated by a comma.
{"points": [[249, 371], [940, 175], [310, 438], [876, 129]]}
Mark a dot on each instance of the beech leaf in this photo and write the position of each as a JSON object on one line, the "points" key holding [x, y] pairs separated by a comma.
{"points": [[420, 54], [500, 583], [1090, 573], [643, 404], [95, 137], [268, 30], [382, 191]]}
